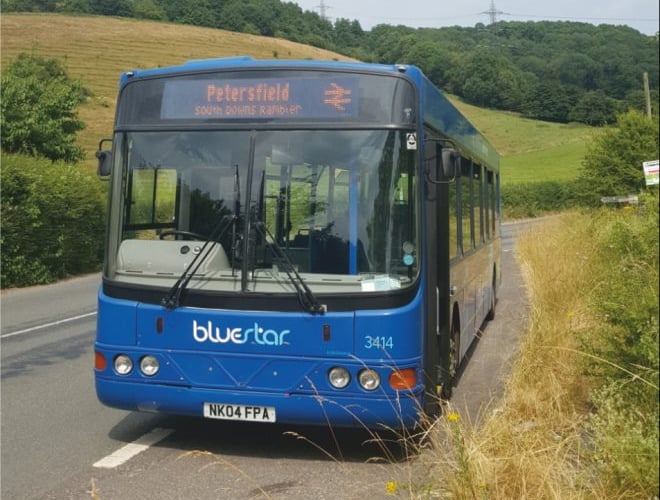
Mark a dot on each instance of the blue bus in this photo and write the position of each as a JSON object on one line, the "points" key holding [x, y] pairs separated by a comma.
{"points": [[297, 242]]}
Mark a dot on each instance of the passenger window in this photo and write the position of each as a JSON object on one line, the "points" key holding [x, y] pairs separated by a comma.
{"points": [[477, 193], [466, 205], [453, 219]]}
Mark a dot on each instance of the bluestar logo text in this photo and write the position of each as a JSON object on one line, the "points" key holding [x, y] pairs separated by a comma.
{"points": [[259, 335]]}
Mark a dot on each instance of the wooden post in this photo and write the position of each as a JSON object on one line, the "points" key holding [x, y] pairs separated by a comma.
{"points": [[647, 95]]}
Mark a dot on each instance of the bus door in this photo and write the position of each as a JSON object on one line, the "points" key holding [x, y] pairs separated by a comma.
{"points": [[436, 332]]}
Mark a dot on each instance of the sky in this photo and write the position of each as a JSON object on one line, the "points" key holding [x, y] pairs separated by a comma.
{"points": [[641, 15]]}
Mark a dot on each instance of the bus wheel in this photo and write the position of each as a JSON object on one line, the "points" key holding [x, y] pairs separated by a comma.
{"points": [[454, 353]]}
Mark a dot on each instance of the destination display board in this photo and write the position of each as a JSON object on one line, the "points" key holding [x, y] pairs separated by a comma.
{"points": [[228, 99], [275, 98]]}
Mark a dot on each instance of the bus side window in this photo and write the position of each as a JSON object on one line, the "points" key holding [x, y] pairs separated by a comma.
{"points": [[477, 191], [453, 219], [466, 205], [488, 203], [495, 189]]}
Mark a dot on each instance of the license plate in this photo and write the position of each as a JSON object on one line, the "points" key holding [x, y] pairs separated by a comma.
{"points": [[245, 413]]}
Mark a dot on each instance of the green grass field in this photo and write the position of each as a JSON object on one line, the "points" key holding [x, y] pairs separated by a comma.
{"points": [[98, 49], [532, 150]]}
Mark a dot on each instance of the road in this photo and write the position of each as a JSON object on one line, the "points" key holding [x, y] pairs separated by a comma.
{"points": [[56, 436]]}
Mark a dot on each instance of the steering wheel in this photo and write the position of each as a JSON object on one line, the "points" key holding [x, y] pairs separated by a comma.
{"points": [[184, 234]]}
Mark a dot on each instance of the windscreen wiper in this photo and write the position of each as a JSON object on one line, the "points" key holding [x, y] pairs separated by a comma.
{"points": [[306, 297], [237, 210], [173, 298]]}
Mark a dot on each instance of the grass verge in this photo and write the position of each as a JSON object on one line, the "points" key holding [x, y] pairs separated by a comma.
{"points": [[561, 431]]}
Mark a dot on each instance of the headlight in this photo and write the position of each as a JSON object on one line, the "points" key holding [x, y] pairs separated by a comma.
{"points": [[339, 377], [149, 366], [369, 379], [123, 364]]}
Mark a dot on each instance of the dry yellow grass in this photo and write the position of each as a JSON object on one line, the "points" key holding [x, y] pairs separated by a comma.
{"points": [[97, 50], [533, 446]]}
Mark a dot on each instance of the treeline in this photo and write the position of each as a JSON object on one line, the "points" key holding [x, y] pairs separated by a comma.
{"points": [[553, 71]]}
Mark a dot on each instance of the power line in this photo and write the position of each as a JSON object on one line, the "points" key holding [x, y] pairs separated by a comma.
{"points": [[573, 18], [322, 10], [492, 12], [357, 15]]}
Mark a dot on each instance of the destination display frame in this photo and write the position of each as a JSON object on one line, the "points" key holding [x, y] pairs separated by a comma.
{"points": [[286, 96]]}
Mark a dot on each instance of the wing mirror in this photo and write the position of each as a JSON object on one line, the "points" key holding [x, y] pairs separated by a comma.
{"points": [[104, 158], [450, 159]]}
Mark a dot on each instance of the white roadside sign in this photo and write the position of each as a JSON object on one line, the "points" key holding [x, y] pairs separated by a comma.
{"points": [[651, 173]]}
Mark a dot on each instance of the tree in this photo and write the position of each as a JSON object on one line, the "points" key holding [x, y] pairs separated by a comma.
{"points": [[148, 9], [123, 8], [348, 33], [432, 58], [77, 6], [594, 108], [551, 101], [613, 163], [490, 80], [28, 5], [38, 110], [577, 70]]}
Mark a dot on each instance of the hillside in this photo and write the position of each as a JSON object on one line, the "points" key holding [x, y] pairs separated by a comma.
{"points": [[98, 49], [532, 150]]}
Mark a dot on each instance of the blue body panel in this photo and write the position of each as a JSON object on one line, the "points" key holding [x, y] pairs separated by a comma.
{"points": [[332, 410], [266, 358], [212, 356]]}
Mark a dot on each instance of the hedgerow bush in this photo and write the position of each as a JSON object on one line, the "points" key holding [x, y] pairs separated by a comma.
{"points": [[626, 348], [52, 221], [532, 199]]}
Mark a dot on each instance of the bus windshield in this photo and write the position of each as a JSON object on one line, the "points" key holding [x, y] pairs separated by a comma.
{"points": [[342, 205]]}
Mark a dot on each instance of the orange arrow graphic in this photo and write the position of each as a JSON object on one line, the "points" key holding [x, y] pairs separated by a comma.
{"points": [[336, 96]]}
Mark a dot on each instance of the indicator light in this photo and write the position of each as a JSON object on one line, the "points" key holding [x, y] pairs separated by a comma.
{"points": [[403, 379], [100, 363]]}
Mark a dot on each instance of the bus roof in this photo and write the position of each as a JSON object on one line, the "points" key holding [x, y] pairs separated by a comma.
{"points": [[243, 62], [437, 111]]}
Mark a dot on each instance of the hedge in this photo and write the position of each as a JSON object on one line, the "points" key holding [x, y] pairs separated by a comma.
{"points": [[53, 221], [537, 198]]}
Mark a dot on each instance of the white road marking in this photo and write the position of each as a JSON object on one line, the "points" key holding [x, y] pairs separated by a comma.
{"points": [[125, 453], [47, 325]]}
